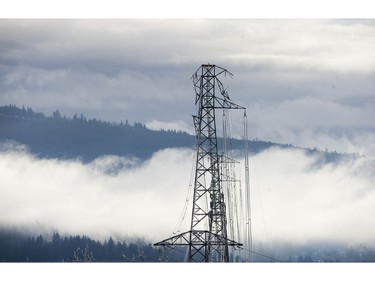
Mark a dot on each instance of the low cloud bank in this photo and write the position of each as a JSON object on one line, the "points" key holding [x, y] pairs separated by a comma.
{"points": [[300, 202], [139, 200], [293, 199]]}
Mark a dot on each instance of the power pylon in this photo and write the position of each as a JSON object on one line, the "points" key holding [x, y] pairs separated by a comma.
{"points": [[207, 239]]}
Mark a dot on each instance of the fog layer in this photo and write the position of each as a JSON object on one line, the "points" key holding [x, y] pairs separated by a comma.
{"points": [[294, 200]]}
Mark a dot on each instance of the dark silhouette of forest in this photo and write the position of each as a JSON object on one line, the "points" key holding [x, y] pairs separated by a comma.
{"points": [[58, 136], [16, 246], [77, 137]]}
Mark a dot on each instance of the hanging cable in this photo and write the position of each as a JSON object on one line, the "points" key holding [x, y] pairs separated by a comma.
{"points": [[226, 176], [181, 222], [263, 255], [247, 189], [261, 204], [236, 206], [241, 212], [167, 252]]}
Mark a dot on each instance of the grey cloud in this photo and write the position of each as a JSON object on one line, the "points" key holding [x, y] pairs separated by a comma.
{"points": [[290, 74]]}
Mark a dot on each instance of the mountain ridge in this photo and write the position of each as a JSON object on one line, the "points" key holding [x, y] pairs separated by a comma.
{"points": [[58, 136]]}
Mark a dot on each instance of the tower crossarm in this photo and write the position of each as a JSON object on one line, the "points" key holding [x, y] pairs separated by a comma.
{"points": [[197, 238], [226, 104]]}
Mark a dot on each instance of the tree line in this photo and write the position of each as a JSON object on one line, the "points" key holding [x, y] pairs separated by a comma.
{"points": [[77, 137], [18, 247], [58, 136]]}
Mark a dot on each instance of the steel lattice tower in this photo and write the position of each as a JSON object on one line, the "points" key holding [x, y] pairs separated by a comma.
{"points": [[207, 239]]}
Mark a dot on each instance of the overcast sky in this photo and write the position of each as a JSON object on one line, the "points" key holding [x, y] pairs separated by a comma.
{"points": [[305, 82]]}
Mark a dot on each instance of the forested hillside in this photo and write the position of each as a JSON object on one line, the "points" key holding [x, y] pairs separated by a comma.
{"points": [[58, 136]]}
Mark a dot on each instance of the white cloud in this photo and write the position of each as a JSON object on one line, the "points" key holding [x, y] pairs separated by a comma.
{"points": [[71, 197], [177, 125], [302, 203], [293, 199]]}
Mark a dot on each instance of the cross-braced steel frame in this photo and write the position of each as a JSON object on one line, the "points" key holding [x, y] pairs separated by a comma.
{"points": [[207, 239]]}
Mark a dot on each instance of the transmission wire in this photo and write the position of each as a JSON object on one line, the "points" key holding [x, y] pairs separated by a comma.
{"points": [[247, 188], [181, 222], [261, 205], [263, 255], [226, 171]]}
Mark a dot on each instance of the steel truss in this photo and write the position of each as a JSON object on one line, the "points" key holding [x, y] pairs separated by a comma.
{"points": [[207, 239]]}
